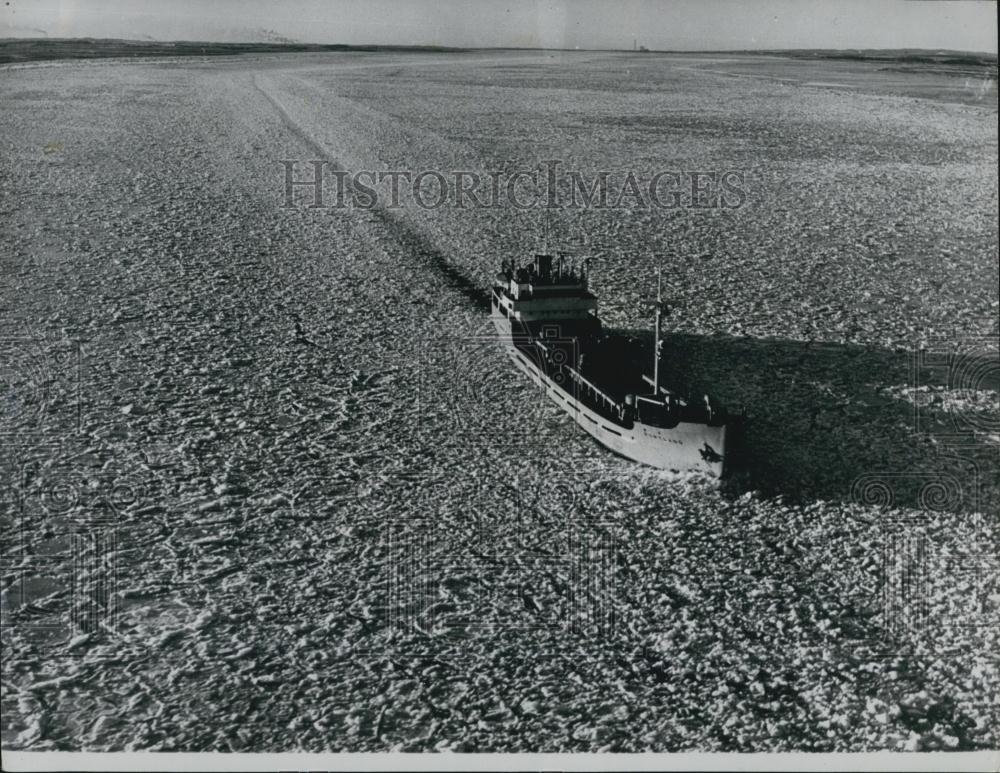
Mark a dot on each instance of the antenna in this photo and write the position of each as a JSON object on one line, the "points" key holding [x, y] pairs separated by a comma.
{"points": [[656, 334], [545, 233]]}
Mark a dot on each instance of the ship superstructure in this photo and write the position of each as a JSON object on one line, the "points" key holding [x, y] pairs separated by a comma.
{"points": [[547, 318]]}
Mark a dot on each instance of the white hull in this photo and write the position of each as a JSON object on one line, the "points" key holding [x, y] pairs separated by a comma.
{"points": [[687, 447]]}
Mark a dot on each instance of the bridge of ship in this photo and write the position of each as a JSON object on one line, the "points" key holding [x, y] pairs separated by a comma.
{"points": [[543, 291]]}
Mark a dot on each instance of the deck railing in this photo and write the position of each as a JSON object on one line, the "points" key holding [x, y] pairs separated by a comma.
{"points": [[611, 403]]}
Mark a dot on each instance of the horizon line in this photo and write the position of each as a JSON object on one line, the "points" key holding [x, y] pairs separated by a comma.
{"points": [[348, 46]]}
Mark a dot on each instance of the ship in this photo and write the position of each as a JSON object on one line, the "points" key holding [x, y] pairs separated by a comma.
{"points": [[547, 320]]}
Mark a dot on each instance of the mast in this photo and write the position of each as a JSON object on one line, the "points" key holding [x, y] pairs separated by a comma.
{"points": [[656, 334]]}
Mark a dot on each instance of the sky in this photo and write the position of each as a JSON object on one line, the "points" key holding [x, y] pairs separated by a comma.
{"points": [[969, 25]]}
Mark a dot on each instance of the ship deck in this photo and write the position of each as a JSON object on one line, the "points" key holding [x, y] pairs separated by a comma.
{"points": [[608, 367]]}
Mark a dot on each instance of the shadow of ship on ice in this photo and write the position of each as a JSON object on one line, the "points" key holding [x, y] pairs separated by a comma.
{"points": [[827, 421], [822, 422]]}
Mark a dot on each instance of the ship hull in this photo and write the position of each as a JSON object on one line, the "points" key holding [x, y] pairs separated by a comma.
{"points": [[686, 447]]}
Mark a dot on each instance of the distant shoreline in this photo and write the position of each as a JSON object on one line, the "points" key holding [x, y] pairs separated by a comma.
{"points": [[17, 50]]}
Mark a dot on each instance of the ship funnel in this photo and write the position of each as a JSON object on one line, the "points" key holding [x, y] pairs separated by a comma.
{"points": [[543, 265]]}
